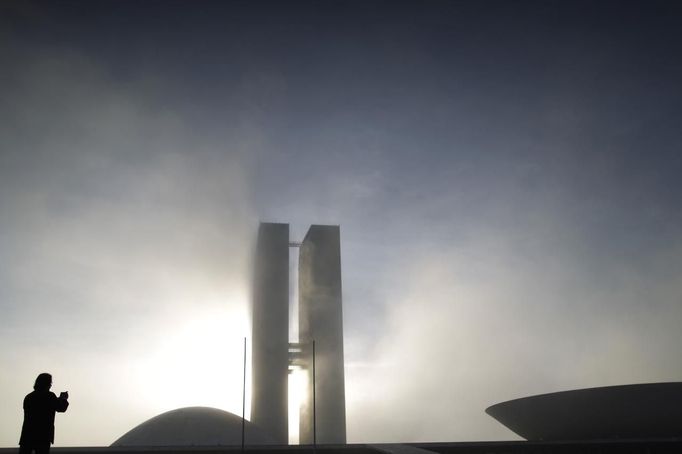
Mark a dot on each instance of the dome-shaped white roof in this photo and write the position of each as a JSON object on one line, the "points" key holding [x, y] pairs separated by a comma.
{"points": [[193, 426]]}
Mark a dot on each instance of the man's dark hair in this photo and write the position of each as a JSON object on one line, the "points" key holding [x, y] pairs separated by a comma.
{"points": [[43, 382]]}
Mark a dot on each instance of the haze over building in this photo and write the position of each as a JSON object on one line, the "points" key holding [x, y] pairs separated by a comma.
{"points": [[507, 175], [319, 352], [320, 321]]}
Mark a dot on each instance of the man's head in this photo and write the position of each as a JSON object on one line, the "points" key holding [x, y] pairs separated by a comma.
{"points": [[43, 382]]}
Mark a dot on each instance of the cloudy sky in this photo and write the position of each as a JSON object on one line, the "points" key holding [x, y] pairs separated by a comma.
{"points": [[505, 175]]}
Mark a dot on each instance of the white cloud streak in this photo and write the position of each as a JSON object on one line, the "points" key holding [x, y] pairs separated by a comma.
{"points": [[469, 327], [120, 228]]}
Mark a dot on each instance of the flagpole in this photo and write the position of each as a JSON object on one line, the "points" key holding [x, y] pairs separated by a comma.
{"points": [[244, 397]]}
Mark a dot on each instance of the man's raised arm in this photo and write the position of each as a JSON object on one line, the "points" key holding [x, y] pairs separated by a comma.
{"points": [[62, 402]]}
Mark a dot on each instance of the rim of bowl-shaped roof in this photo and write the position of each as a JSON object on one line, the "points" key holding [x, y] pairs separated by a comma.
{"points": [[633, 411]]}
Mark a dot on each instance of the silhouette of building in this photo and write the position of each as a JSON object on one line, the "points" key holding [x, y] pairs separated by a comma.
{"points": [[320, 317], [192, 426], [638, 411], [626, 418]]}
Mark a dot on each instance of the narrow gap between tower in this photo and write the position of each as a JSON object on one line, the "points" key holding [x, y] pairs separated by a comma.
{"points": [[295, 386]]}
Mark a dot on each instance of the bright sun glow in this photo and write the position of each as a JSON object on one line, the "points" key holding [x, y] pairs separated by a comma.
{"points": [[200, 363], [298, 380]]}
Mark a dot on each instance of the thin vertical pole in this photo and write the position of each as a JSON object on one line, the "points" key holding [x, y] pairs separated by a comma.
{"points": [[314, 403], [244, 397]]}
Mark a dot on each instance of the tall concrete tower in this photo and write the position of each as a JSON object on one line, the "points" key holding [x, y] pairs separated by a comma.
{"points": [[270, 332], [320, 318]]}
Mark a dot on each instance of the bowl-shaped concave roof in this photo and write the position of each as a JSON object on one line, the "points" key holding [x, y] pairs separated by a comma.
{"points": [[193, 426], [650, 410]]}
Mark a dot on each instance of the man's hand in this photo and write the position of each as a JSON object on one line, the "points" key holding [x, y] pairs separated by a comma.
{"points": [[64, 395]]}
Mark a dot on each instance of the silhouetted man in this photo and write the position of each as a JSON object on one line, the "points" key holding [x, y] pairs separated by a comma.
{"points": [[37, 433]]}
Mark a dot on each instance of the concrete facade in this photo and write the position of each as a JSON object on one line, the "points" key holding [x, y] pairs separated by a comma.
{"points": [[270, 332], [321, 320]]}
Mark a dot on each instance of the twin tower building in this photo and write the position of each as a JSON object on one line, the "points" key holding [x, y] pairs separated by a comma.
{"points": [[319, 350]]}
